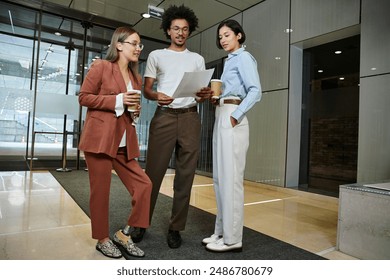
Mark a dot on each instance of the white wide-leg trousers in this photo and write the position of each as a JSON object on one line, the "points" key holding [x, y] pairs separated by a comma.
{"points": [[230, 145]]}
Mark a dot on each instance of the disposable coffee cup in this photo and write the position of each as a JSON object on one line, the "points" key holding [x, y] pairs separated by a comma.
{"points": [[216, 87], [133, 108]]}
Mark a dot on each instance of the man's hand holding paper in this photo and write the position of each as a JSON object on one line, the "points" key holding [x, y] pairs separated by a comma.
{"points": [[163, 99], [204, 94], [194, 84]]}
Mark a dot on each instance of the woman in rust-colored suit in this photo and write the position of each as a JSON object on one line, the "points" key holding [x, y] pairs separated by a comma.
{"points": [[109, 141]]}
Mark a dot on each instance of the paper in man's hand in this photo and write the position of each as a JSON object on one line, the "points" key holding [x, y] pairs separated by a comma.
{"points": [[192, 82]]}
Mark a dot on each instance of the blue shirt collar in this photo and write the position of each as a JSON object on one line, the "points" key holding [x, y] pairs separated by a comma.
{"points": [[237, 52]]}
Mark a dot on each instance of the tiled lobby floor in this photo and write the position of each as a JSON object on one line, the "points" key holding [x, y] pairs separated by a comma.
{"points": [[40, 221]]}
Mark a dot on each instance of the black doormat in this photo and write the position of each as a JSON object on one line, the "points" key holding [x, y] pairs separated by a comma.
{"points": [[200, 224]]}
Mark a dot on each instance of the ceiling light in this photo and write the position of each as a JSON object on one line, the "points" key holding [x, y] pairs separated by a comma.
{"points": [[58, 33], [320, 71], [288, 30], [341, 78], [338, 52], [145, 15]]}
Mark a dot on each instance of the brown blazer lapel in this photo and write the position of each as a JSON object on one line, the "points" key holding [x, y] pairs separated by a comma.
{"points": [[136, 82], [116, 73]]}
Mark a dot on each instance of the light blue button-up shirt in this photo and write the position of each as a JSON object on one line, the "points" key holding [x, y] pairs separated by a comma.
{"points": [[241, 79]]}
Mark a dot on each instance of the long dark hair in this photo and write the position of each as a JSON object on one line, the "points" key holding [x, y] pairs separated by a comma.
{"points": [[178, 12], [235, 27]]}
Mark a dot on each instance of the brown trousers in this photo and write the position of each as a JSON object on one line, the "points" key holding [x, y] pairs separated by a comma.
{"points": [[133, 177], [167, 133]]}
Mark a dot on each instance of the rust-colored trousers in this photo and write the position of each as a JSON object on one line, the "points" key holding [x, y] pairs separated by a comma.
{"points": [[135, 180]]}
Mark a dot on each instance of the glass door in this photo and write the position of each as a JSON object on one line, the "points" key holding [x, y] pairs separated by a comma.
{"points": [[43, 60], [16, 84]]}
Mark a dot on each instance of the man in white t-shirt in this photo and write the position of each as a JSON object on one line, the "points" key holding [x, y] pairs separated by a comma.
{"points": [[176, 123]]}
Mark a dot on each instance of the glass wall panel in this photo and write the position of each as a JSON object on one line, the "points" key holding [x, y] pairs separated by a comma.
{"points": [[43, 59], [16, 84], [207, 114], [17, 20], [147, 113], [55, 132]]}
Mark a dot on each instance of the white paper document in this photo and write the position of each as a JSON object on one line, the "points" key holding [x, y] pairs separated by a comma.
{"points": [[192, 82]]}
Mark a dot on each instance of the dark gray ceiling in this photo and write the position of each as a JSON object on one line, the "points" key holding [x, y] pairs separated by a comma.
{"points": [[119, 12]]}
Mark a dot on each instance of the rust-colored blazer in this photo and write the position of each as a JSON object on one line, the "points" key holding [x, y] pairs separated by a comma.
{"points": [[103, 130]]}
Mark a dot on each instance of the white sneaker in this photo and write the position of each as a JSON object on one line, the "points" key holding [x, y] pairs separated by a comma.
{"points": [[219, 247], [211, 239]]}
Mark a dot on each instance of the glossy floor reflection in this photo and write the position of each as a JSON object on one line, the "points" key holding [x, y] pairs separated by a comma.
{"points": [[39, 220]]}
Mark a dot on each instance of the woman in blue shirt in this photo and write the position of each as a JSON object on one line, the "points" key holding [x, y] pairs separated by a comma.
{"points": [[241, 90]]}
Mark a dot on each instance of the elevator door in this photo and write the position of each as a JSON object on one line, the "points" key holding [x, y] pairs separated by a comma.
{"points": [[330, 116]]}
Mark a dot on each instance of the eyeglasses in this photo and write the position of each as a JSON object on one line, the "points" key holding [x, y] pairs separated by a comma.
{"points": [[177, 29], [136, 45]]}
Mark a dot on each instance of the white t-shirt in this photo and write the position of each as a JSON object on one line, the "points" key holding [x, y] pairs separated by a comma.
{"points": [[167, 67]]}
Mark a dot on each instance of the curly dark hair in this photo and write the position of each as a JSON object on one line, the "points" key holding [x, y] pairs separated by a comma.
{"points": [[178, 12]]}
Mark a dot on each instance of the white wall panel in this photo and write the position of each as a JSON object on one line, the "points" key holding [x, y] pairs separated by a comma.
{"points": [[209, 49], [374, 116], [267, 41], [267, 149], [311, 18], [375, 37], [374, 132], [294, 117], [193, 43]]}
